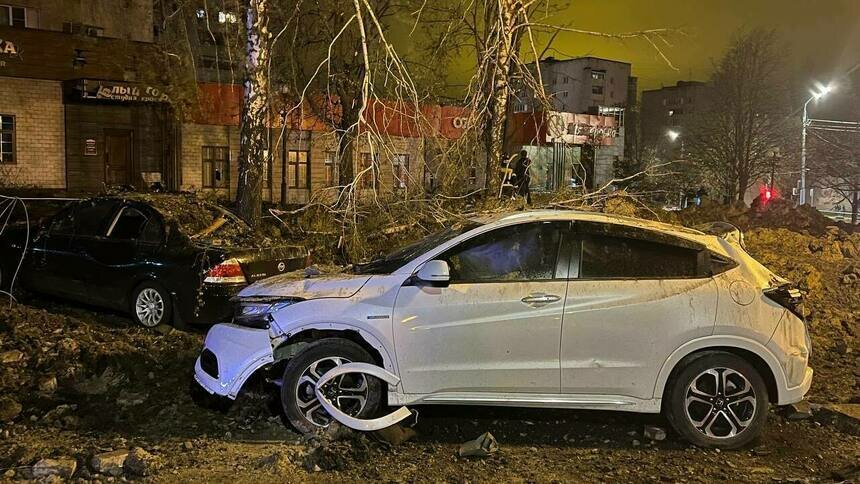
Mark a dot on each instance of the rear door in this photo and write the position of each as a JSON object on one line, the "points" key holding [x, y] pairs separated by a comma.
{"points": [[92, 220], [49, 268], [634, 297], [495, 328]]}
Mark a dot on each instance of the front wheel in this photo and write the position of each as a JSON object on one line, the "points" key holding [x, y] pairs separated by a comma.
{"points": [[355, 394], [718, 400]]}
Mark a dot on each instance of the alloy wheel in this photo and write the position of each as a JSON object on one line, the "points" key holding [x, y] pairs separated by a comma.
{"points": [[149, 307], [720, 403], [348, 392]]}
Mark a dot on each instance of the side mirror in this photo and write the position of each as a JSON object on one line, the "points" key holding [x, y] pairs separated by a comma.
{"points": [[434, 272]]}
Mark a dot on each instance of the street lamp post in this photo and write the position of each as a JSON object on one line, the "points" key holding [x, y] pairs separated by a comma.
{"points": [[816, 95]]}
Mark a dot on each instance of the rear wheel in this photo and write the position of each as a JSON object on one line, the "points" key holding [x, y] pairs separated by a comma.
{"points": [[151, 305], [355, 394], [718, 400]]}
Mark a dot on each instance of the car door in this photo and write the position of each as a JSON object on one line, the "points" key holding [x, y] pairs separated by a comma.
{"points": [[92, 220], [634, 297], [496, 326], [49, 268]]}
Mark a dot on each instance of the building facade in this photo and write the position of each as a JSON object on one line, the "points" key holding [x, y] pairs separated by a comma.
{"points": [[666, 114]]}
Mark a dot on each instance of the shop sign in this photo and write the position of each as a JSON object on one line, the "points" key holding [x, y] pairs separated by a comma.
{"points": [[124, 92], [8, 47], [90, 147], [581, 128]]}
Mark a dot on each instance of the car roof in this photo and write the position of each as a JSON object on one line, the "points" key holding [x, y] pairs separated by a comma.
{"points": [[585, 216]]}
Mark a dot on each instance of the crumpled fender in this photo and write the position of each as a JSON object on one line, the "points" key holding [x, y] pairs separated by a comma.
{"points": [[357, 423], [240, 351]]}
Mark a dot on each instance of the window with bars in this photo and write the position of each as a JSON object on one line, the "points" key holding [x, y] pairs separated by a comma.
{"points": [[370, 178], [331, 168], [7, 138], [216, 167], [400, 165], [14, 16], [299, 169]]}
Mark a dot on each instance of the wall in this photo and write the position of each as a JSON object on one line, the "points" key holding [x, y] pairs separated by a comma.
{"points": [[120, 19], [40, 147]]}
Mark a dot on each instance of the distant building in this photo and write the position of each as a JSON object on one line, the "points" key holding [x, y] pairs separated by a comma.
{"points": [[579, 86], [666, 114]]}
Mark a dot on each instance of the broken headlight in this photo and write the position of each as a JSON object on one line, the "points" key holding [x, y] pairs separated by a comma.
{"points": [[257, 312], [788, 297]]}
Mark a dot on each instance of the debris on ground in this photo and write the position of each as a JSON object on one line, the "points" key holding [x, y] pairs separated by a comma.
{"points": [[109, 463], [61, 467], [801, 410], [652, 432], [483, 446], [395, 434]]}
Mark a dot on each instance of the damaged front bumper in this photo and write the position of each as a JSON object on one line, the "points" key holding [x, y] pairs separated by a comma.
{"points": [[231, 354]]}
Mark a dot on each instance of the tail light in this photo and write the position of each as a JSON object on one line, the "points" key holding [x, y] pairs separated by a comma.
{"points": [[227, 272], [788, 297]]}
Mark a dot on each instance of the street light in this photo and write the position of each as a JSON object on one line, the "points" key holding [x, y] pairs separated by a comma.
{"points": [[816, 95], [673, 135]]}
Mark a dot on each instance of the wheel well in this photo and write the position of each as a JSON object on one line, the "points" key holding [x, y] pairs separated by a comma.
{"points": [[290, 347], [760, 365]]}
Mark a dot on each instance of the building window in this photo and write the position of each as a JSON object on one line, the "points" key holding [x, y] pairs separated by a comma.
{"points": [[7, 138], [216, 167], [298, 169], [267, 169], [370, 178], [14, 16], [400, 165], [331, 168], [473, 175], [597, 90], [598, 75]]}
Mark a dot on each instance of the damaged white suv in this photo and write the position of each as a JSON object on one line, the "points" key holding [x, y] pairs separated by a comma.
{"points": [[556, 309]]}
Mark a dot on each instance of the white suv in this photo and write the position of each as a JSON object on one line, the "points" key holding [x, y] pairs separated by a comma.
{"points": [[559, 309]]}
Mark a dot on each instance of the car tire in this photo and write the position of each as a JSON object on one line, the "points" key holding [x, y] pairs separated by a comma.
{"points": [[718, 400], [151, 305], [313, 360]]}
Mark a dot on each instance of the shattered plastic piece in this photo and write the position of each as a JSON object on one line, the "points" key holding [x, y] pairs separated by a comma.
{"points": [[484, 446], [365, 425], [654, 433]]}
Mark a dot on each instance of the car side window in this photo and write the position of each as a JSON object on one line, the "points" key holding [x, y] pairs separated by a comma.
{"points": [[605, 256], [524, 252], [92, 217], [64, 222], [129, 225]]}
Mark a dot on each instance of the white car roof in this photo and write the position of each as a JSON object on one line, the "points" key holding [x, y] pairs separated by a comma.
{"points": [[581, 215]]}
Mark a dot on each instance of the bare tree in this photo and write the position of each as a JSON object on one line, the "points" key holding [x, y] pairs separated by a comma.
{"points": [[746, 115], [254, 113]]}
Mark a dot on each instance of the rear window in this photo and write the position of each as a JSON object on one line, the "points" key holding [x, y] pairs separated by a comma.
{"points": [[620, 257]]}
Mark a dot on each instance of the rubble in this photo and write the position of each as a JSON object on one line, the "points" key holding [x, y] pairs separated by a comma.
{"points": [[61, 467], [483, 446], [9, 408], [141, 463], [654, 433], [109, 463], [801, 410]]}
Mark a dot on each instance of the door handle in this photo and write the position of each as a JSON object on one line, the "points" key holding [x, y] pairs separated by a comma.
{"points": [[540, 299]]}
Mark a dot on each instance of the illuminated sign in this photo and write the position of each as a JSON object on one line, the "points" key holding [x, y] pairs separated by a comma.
{"points": [[8, 47], [120, 91]]}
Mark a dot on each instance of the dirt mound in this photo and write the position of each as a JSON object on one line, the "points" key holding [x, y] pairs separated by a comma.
{"points": [[776, 214]]}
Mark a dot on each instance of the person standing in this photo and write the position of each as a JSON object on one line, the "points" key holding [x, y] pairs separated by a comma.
{"points": [[523, 177]]}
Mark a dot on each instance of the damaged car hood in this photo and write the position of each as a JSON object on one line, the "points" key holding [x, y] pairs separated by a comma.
{"points": [[290, 285]]}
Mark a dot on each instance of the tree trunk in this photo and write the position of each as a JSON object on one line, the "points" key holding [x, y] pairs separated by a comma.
{"points": [[345, 145], [509, 12], [252, 137]]}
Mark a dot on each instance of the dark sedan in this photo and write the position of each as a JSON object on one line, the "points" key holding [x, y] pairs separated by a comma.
{"points": [[161, 258]]}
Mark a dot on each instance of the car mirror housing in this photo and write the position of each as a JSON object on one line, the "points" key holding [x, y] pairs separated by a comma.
{"points": [[435, 272]]}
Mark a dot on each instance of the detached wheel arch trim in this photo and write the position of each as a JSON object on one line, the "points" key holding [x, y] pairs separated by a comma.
{"points": [[724, 343]]}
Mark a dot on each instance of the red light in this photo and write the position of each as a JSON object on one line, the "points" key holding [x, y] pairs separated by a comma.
{"points": [[228, 271], [767, 194]]}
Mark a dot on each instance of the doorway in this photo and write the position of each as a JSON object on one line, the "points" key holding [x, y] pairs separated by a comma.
{"points": [[118, 156]]}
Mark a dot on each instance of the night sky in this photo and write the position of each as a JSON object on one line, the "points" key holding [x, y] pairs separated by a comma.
{"points": [[822, 36]]}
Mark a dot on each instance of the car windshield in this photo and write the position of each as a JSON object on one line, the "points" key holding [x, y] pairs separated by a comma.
{"points": [[397, 259]]}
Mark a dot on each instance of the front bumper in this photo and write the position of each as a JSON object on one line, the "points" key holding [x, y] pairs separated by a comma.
{"points": [[237, 352]]}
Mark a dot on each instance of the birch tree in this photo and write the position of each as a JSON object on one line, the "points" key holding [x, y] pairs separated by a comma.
{"points": [[254, 113]]}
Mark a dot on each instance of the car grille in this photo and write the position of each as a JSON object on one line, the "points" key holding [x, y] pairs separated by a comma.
{"points": [[209, 363]]}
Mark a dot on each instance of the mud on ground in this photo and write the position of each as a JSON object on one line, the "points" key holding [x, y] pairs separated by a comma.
{"points": [[75, 382]]}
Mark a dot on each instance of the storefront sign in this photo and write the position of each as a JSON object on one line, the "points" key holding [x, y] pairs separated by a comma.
{"points": [[120, 91], [90, 147], [459, 122], [8, 47], [581, 129]]}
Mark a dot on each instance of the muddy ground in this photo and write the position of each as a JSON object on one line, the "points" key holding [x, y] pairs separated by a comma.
{"points": [[76, 382]]}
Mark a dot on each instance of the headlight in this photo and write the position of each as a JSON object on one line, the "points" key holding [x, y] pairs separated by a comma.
{"points": [[257, 312]]}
